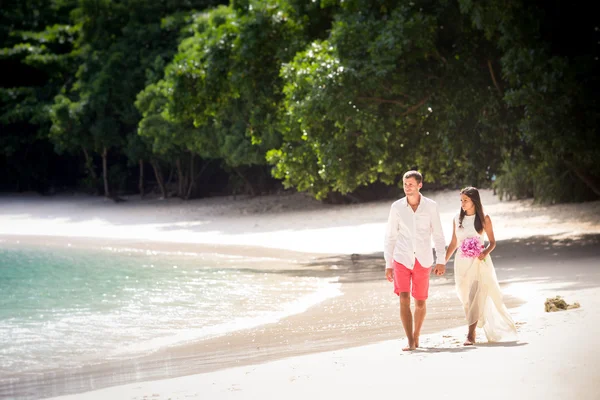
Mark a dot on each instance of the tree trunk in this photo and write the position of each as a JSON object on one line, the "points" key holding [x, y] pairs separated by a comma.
{"points": [[105, 172], [206, 164], [89, 163], [141, 183], [248, 184], [170, 178], [159, 178], [180, 178], [191, 177]]}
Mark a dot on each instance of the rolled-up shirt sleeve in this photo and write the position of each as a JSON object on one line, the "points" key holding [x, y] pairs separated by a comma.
{"points": [[391, 235], [439, 242]]}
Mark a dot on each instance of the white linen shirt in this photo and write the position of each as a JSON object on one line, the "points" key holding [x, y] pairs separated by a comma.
{"points": [[409, 234]]}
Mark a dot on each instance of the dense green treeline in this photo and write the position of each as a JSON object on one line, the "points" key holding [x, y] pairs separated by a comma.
{"points": [[331, 97]]}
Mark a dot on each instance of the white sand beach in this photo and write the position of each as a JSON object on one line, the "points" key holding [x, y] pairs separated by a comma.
{"points": [[350, 346]]}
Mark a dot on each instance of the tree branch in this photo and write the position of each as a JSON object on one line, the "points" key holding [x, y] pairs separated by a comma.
{"points": [[410, 109], [491, 68], [389, 89], [414, 108], [440, 56], [382, 100], [586, 179]]}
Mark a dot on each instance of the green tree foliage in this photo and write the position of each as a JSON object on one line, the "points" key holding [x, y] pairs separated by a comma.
{"points": [[395, 86], [36, 62], [121, 43], [549, 58], [225, 82], [333, 96]]}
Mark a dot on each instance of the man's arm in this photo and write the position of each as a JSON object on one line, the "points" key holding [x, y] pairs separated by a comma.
{"points": [[391, 235]]}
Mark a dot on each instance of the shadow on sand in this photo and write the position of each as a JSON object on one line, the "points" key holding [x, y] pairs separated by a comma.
{"points": [[502, 344], [514, 259]]}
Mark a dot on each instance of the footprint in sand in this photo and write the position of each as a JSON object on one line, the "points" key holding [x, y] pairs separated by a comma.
{"points": [[294, 378], [235, 388]]}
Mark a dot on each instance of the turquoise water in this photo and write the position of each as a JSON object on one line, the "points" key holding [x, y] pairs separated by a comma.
{"points": [[67, 307]]}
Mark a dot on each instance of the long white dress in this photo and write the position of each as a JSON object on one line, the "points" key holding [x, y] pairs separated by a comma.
{"points": [[478, 289]]}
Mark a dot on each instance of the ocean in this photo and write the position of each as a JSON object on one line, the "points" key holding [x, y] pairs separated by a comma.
{"points": [[64, 307]]}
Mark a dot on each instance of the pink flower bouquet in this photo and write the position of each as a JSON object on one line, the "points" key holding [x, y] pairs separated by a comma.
{"points": [[471, 247]]}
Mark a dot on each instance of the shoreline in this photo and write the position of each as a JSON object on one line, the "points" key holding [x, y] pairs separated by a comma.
{"points": [[365, 313], [545, 350], [532, 256], [264, 254], [534, 367]]}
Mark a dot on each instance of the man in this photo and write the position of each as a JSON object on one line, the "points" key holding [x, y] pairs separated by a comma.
{"points": [[414, 220]]}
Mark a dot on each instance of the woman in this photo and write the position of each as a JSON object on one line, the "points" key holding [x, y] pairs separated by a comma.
{"points": [[475, 277]]}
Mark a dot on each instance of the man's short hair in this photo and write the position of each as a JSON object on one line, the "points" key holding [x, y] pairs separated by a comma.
{"points": [[413, 174]]}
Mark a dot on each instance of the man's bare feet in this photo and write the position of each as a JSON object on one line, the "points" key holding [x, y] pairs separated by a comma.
{"points": [[410, 347]]}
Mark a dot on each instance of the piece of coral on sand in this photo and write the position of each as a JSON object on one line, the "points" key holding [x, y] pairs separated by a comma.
{"points": [[558, 304]]}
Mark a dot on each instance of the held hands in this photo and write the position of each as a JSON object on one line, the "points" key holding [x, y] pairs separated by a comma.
{"points": [[439, 269]]}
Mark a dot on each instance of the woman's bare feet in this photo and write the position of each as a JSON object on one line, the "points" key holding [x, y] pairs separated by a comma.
{"points": [[470, 341]]}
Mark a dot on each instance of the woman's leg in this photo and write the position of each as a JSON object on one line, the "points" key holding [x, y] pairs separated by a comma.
{"points": [[471, 335], [473, 313]]}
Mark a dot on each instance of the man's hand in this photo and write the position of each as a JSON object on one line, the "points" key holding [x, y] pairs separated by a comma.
{"points": [[389, 274], [440, 269]]}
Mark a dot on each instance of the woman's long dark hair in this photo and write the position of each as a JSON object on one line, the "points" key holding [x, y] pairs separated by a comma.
{"points": [[473, 194]]}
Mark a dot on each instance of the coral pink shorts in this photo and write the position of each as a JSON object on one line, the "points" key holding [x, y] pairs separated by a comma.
{"points": [[419, 276]]}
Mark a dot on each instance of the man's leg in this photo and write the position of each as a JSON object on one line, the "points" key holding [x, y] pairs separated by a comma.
{"points": [[420, 291], [402, 277], [407, 320], [420, 312]]}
